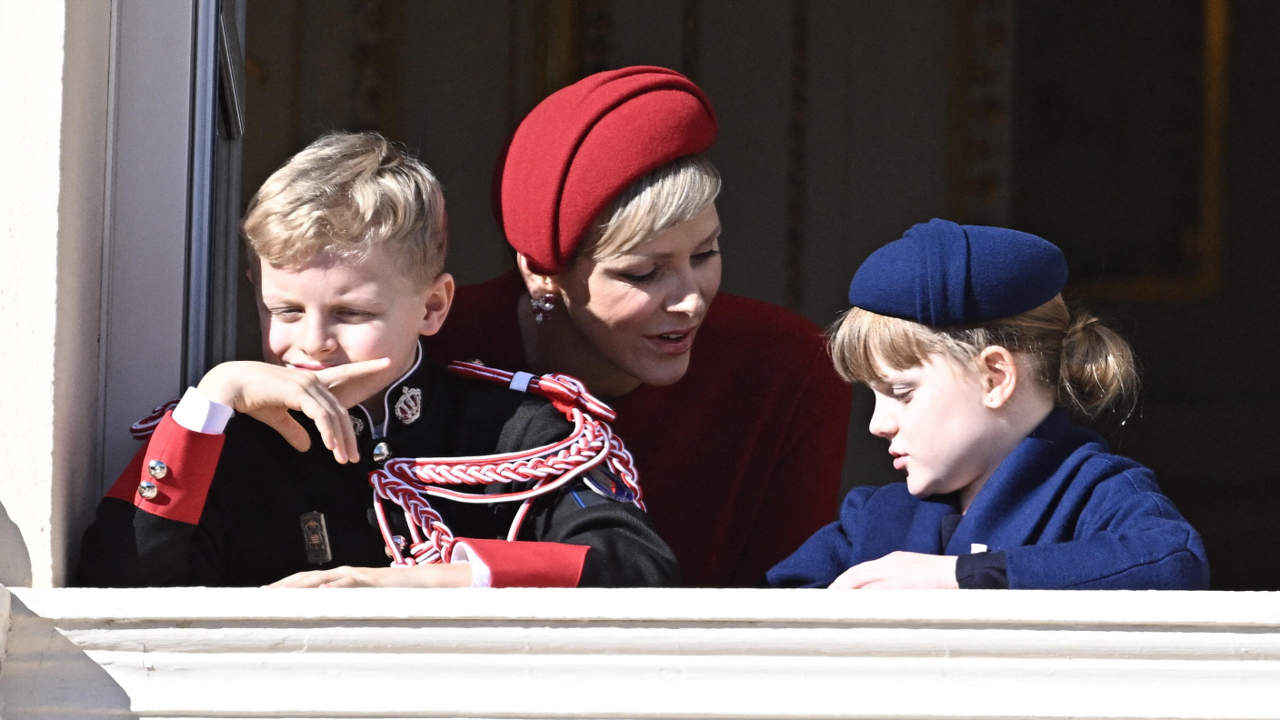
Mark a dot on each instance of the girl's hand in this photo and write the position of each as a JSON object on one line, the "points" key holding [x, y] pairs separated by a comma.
{"points": [[900, 570], [438, 575]]}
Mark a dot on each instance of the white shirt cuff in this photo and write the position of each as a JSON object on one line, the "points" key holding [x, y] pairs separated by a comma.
{"points": [[480, 573], [198, 413]]}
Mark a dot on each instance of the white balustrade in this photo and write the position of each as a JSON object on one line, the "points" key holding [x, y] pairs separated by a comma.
{"points": [[256, 653]]}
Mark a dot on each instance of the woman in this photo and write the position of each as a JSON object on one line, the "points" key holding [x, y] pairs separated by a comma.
{"points": [[611, 211]]}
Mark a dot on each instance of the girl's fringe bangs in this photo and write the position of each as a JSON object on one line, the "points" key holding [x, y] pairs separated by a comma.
{"points": [[863, 343]]}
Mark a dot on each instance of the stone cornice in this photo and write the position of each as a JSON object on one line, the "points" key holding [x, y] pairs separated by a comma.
{"points": [[241, 653]]}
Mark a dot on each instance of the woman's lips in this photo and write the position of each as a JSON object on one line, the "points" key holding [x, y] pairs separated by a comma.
{"points": [[677, 342]]}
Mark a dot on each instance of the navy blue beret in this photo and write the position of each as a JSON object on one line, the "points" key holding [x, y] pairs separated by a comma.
{"points": [[940, 274]]}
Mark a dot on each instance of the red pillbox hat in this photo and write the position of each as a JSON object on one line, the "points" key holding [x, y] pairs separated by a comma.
{"points": [[586, 143]]}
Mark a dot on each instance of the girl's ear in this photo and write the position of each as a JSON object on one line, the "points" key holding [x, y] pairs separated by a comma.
{"points": [[536, 283], [998, 373], [438, 299]]}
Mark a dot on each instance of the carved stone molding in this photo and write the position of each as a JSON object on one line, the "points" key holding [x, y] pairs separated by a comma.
{"points": [[252, 653]]}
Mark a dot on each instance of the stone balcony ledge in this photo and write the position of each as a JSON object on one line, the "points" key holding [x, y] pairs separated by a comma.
{"points": [[257, 653]]}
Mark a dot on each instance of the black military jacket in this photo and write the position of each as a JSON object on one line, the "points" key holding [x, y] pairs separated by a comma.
{"points": [[250, 530]]}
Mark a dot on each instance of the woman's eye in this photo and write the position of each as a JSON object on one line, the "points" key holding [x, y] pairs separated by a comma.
{"points": [[706, 255], [352, 315], [286, 313], [638, 277]]}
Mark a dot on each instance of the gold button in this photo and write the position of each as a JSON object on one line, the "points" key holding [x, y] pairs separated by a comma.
{"points": [[147, 489]]}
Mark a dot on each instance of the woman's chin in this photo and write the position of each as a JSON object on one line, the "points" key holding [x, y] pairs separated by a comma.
{"points": [[665, 373]]}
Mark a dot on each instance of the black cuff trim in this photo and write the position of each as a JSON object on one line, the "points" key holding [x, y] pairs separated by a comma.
{"points": [[982, 571]]}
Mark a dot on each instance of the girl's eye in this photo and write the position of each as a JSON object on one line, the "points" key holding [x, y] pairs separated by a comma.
{"points": [[286, 314], [352, 315], [902, 395], [707, 254]]}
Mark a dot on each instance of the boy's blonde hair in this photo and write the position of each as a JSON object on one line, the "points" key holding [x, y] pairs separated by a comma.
{"points": [[343, 195], [672, 194], [1090, 367]]}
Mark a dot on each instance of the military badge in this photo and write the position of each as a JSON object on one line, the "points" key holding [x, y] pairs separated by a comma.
{"points": [[315, 537], [409, 406]]}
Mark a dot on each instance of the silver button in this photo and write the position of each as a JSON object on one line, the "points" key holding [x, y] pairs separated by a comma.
{"points": [[157, 469], [381, 452], [147, 489]]}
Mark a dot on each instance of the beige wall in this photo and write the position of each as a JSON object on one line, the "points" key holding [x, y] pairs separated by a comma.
{"points": [[53, 140]]}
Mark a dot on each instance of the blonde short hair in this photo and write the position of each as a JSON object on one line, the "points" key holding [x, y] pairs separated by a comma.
{"points": [[1090, 367], [672, 194], [343, 195]]}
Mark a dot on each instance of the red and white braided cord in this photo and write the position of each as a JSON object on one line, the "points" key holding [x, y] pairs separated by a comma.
{"points": [[143, 429], [408, 481]]}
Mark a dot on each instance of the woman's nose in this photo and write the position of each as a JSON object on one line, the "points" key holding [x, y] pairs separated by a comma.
{"points": [[687, 297]]}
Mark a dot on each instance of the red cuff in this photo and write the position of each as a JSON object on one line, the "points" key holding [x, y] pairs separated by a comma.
{"points": [[187, 461], [530, 564]]}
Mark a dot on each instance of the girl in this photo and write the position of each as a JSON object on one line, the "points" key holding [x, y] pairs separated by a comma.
{"points": [[977, 368]]}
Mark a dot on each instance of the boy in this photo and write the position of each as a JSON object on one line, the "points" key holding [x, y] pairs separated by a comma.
{"points": [[347, 243]]}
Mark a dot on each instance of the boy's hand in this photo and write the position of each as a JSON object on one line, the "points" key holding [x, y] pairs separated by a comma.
{"points": [[268, 392], [900, 570], [439, 575]]}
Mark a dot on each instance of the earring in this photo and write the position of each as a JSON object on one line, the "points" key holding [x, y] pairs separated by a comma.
{"points": [[542, 306]]}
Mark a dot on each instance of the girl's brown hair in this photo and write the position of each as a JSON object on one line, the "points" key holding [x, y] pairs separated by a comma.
{"points": [[1091, 368]]}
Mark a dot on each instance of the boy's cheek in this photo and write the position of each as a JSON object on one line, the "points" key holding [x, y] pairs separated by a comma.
{"points": [[274, 343]]}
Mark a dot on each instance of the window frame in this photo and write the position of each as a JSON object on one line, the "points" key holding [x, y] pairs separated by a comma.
{"points": [[170, 256]]}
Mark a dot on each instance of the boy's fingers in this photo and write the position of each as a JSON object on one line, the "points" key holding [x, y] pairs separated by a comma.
{"points": [[352, 382], [317, 404], [333, 423], [342, 582], [304, 578], [283, 423], [343, 576], [330, 418], [344, 435]]}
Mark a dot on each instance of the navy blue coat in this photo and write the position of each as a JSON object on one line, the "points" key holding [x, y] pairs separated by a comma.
{"points": [[1066, 513]]}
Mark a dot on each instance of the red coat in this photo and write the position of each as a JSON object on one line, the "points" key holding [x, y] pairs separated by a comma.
{"points": [[740, 460]]}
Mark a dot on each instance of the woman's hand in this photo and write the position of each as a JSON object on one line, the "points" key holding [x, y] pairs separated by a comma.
{"points": [[900, 570], [268, 392], [437, 575]]}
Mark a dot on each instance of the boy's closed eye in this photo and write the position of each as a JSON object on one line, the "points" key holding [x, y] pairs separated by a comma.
{"points": [[355, 315], [286, 313]]}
